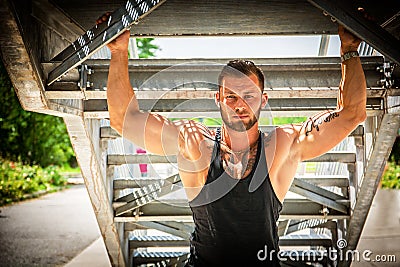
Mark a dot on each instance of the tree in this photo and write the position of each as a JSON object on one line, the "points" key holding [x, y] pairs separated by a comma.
{"points": [[34, 138], [29, 137], [145, 47]]}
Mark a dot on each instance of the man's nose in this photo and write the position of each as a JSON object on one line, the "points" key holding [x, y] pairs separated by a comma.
{"points": [[240, 104]]}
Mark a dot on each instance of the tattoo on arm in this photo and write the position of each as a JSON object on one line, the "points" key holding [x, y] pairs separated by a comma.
{"points": [[268, 137], [316, 121]]}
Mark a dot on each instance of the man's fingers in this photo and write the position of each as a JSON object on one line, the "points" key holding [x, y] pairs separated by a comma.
{"points": [[103, 18]]}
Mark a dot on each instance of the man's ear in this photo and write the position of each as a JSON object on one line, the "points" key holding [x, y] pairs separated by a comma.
{"points": [[217, 98], [264, 100]]}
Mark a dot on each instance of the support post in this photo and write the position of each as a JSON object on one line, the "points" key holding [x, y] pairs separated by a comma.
{"points": [[87, 151]]}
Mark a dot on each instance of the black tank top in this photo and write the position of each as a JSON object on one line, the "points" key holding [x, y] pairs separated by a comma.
{"points": [[235, 219]]}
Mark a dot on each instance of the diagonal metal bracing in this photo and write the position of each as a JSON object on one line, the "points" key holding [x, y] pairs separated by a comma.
{"points": [[316, 189], [320, 199], [97, 37], [148, 194], [387, 132], [348, 15]]}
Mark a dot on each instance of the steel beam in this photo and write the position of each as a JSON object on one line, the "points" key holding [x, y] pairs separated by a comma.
{"points": [[384, 142], [56, 20], [99, 36], [170, 210], [313, 72], [347, 14], [217, 114], [21, 69], [193, 93], [208, 105]]}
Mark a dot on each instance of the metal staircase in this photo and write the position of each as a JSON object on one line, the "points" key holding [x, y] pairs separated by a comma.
{"points": [[146, 220]]}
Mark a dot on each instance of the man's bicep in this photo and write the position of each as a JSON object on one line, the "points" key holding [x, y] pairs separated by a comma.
{"points": [[323, 131], [155, 133]]}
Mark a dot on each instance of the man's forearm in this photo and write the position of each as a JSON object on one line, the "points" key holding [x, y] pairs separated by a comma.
{"points": [[353, 89], [119, 90]]}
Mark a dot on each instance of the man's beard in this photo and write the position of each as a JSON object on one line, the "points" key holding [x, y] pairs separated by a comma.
{"points": [[239, 125]]}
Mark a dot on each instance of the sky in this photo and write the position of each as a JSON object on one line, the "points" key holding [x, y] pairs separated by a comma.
{"points": [[243, 47]]}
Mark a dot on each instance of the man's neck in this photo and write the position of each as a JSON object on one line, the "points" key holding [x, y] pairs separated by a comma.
{"points": [[239, 141]]}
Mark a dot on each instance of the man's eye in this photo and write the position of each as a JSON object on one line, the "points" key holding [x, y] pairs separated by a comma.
{"points": [[230, 96], [248, 96]]}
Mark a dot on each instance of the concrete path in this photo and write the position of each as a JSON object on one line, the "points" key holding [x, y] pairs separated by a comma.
{"points": [[61, 229], [381, 234], [49, 231]]}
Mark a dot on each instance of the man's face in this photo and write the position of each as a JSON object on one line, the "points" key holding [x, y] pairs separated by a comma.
{"points": [[240, 101]]}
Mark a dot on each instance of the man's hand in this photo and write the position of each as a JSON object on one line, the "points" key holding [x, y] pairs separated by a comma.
{"points": [[349, 42], [120, 44]]}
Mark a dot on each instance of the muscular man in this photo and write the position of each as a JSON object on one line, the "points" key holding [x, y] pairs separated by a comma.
{"points": [[236, 178]]}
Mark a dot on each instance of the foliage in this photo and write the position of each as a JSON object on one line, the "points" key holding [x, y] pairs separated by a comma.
{"points": [[17, 180], [29, 137], [288, 120], [391, 177], [395, 154], [146, 48]]}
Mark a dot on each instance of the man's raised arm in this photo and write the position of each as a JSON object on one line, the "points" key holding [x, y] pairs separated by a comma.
{"points": [[323, 131], [150, 131]]}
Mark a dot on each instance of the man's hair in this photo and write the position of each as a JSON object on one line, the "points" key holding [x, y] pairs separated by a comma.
{"points": [[238, 66]]}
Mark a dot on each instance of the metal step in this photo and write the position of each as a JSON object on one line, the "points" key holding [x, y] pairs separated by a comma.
{"points": [[305, 240], [172, 241], [320, 180], [157, 241], [169, 258], [120, 159]]}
